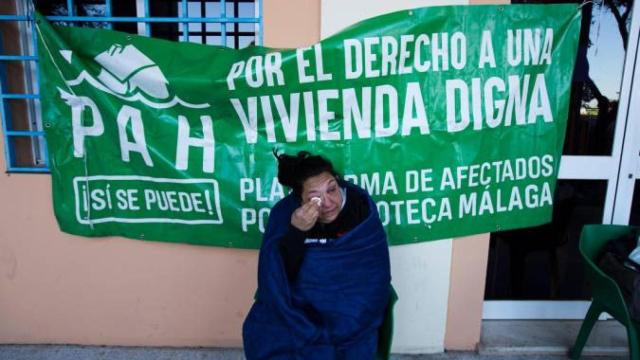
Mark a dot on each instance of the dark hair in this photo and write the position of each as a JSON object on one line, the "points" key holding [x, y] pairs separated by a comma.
{"points": [[294, 170]]}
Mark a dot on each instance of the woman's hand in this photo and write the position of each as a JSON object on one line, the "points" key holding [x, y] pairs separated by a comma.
{"points": [[306, 216]]}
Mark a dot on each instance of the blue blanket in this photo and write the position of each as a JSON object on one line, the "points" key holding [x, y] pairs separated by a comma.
{"points": [[335, 306]]}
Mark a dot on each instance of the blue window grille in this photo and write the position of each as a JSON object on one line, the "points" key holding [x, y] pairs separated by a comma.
{"points": [[232, 23]]}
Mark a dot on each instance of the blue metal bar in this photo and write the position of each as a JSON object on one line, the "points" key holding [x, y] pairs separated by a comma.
{"points": [[24, 133], [27, 169], [152, 19], [18, 58], [147, 12], [223, 26], [185, 25], [46, 152], [15, 18], [34, 43], [3, 115], [107, 12], [19, 96], [135, 19], [70, 7], [260, 38], [35, 70]]}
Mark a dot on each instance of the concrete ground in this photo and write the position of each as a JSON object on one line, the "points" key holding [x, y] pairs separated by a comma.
{"points": [[550, 337], [500, 340], [73, 352]]}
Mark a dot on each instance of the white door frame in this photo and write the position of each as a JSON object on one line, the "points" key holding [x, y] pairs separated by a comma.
{"points": [[621, 169], [630, 160]]}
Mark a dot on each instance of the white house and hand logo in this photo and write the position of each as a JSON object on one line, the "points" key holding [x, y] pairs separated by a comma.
{"points": [[130, 75]]}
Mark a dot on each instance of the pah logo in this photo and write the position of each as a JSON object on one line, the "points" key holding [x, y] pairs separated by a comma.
{"points": [[130, 75]]}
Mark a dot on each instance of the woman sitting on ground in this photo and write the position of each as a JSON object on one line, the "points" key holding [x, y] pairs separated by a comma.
{"points": [[323, 272]]}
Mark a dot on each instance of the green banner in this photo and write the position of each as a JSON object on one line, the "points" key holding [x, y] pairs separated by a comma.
{"points": [[453, 118]]}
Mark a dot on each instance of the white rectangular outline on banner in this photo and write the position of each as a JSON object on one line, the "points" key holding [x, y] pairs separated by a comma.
{"points": [[213, 182]]}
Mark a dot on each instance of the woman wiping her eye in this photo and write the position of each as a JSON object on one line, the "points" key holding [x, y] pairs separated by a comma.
{"points": [[323, 273]]}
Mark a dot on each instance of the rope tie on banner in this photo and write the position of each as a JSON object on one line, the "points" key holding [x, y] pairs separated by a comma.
{"points": [[70, 89], [585, 3]]}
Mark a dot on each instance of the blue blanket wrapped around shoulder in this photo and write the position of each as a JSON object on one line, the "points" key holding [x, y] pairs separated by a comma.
{"points": [[335, 306]]}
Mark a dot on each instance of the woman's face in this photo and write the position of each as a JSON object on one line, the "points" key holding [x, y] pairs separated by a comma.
{"points": [[325, 187]]}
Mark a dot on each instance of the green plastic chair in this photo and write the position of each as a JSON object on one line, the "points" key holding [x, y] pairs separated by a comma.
{"points": [[607, 296], [385, 334]]}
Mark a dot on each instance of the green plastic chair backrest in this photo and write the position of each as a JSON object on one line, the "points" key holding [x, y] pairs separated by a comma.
{"points": [[605, 290]]}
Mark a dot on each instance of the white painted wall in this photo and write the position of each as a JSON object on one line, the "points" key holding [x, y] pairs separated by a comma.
{"points": [[421, 272], [336, 15]]}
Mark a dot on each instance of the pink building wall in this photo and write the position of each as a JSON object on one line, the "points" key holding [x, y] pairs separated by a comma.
{"points": [[58, 288]]}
